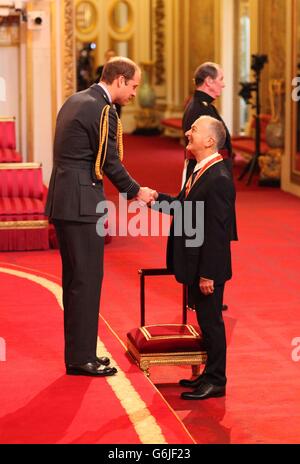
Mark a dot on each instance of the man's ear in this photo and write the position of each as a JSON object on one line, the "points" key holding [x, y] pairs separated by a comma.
{"points": [[209, 141], [120, 80], [209, 80]]}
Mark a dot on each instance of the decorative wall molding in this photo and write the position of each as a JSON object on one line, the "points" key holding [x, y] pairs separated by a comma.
{"points": [[159, 31], [273, 43], [203, 35], [277, 36], [69, 48]]}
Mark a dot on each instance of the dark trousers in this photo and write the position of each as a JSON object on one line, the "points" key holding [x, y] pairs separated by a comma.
{"points": [[81, 251], [210, 320]]}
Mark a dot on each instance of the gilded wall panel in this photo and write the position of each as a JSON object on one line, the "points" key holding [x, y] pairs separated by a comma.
{"points": [[159, 32], [201, 35], [69, 48], [273, 43]]}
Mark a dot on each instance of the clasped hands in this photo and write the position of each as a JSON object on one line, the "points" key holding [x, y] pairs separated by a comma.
{"points": [[146, 195]]}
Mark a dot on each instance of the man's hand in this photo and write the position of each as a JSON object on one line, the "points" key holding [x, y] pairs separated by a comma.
{"points": [[206, 286], [146, 195]]}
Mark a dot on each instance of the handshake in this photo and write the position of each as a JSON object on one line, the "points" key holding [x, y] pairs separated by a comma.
{"points": [[146, 195]]}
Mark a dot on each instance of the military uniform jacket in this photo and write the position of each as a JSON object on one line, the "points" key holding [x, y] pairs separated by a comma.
{"points": [[201, 105], [74, 191], [212, 259]]}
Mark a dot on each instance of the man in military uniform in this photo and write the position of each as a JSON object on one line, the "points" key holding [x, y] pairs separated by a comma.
{"points": [[87, 146], [209, 82]]}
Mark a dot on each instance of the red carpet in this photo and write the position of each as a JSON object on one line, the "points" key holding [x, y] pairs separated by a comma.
{"points": [[40, 404], [262, 403]]}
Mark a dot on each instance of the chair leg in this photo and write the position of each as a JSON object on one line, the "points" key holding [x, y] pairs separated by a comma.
{"points": [[245, 170], [145, 368]]}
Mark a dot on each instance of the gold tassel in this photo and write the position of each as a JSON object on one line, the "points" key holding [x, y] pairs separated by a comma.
{"points": [[120, 139], [103, 141]]}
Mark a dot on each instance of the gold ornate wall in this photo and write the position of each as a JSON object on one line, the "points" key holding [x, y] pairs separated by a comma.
{"points": [[69, 48], [158, 40], [272, 41], [202, 35]]}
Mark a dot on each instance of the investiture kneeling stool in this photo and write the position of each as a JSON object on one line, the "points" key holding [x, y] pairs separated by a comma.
{"points": [[165, 344]]}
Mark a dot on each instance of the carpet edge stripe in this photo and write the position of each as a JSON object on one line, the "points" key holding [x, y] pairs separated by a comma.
{"points": [[142, 420], [152, 384]]}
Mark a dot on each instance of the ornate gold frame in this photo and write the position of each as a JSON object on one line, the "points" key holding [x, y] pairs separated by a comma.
{"points": [[123, 31], [89, 34], [68, 54], [39, 224], [145, 361], [15, 166], [295, 175]]}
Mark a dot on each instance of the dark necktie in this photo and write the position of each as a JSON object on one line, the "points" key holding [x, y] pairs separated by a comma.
{"points": [[193, 176]]}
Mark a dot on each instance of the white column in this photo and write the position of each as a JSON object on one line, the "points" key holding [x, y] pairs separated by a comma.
{"points": [[57, 23], [41, 91]]}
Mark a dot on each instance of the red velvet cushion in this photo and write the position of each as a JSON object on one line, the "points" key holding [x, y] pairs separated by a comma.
{"points": [[8, 155], [21, 183], [175, 123], [166, 338], [7, 134]]}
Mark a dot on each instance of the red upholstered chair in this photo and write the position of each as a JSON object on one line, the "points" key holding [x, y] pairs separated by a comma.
{"points": [[245, 145], [173, 126], [8, 153], [165, 344], [23, 225], [172, 123]]}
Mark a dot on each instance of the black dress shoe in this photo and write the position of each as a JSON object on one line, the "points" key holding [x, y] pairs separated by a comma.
{"points": [[104, 361], [224, 307], [191, 383], [204, 391], [91, 369]]}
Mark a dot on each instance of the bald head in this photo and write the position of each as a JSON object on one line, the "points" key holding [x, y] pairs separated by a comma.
{"points": [[215, 128], [206, 136]]}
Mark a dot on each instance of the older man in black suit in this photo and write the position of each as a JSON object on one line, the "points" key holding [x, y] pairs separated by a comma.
{"points": [[205, 267], [209, 83], [88, 145]]}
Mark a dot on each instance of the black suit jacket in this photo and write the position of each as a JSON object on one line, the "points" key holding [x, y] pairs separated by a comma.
{"points": [[74, 191], [212, 259], [201, 105]]}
